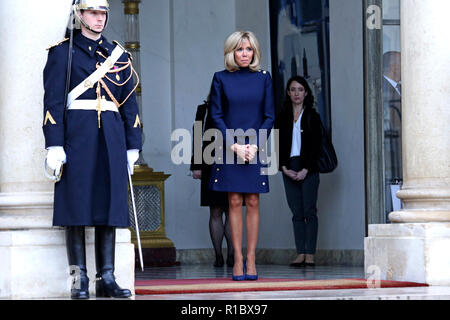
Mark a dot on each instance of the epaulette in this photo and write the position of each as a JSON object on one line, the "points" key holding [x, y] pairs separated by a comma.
{"points": [[57, 44], [125, 50]]}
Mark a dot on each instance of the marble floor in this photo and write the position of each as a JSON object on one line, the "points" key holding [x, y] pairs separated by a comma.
{"points": [[199, 271], [281, 271]]}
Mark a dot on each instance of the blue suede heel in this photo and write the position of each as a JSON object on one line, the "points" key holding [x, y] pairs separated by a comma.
{"points": [[251, 277], [239, 278]]}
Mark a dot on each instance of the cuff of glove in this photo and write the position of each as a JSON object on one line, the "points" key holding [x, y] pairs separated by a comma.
{"points": [[55, 148]]}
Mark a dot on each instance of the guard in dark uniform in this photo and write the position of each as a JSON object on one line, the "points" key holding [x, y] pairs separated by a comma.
{"points": [[96, 134]]}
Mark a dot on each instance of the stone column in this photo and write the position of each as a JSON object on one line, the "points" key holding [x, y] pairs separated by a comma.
{"points": [[415, 246], [33, 253]]}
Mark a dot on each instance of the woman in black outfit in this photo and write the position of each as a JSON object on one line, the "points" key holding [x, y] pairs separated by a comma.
{"points": [[299, 128], [216, 201]]}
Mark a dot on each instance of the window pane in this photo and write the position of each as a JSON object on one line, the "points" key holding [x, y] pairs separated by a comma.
{"points": [[391, 9]]}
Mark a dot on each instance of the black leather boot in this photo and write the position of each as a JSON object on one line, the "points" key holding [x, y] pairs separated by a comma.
{"points": [[76, 254], [105, 245]]}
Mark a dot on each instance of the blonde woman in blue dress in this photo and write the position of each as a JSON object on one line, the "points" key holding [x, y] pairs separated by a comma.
{"points": [[242, 99]]}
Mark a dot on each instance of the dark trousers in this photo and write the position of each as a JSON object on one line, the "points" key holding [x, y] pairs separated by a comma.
{"points": [[302, 200]]}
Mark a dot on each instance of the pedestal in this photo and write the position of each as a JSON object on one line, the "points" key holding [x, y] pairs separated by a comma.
{"points": [[34, 263], [157, 249], [417, 252]]}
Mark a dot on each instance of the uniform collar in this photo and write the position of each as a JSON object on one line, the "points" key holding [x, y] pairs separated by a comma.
{"points": [[104, 44], [90, 46]]}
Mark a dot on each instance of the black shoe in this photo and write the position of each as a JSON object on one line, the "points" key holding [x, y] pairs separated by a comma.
{"points": [[76, 254], [310, 264], [219, 262], [230, 261], [105, 245], [297, 264], [107, 287], [80, 288]]}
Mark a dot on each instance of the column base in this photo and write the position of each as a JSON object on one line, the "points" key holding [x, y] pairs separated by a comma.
{"points": [[416, 252], [419, 216], [34, 263]]}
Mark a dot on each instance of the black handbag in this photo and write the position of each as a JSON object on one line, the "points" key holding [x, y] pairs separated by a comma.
{"points": [[327, 155]]}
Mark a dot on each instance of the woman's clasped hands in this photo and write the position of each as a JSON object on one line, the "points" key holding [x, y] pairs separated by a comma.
{"points": [[294, 175], [245, 152]]}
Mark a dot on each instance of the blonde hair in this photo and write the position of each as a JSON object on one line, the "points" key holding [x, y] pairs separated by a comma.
{"points": [[233, 42]]}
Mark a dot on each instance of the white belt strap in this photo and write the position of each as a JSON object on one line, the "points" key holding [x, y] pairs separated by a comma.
{"points": [[94, 77], [92, 105]]}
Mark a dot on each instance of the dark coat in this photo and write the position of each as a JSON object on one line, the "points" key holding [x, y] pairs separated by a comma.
{"points": [[93, 188], [207, 196], [241, 100], [310, 137]]}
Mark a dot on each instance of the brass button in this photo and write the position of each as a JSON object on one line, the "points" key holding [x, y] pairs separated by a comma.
{"points": [[218, 169], [216, 180], [263, 183], [219, 158], [262, 161], [90, 48]]}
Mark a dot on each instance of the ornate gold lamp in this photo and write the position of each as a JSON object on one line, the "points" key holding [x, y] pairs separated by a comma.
{"points": [[148, 186]]}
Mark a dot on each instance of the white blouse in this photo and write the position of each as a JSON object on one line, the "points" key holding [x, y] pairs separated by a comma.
{"points": [[296, 137]]}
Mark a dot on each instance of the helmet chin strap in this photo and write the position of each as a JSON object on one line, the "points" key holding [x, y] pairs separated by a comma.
{"points": [[89, 28]]}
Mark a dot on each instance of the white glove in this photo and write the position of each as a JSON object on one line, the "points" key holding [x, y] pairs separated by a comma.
{"points": [[132, 157], [56, 157]]}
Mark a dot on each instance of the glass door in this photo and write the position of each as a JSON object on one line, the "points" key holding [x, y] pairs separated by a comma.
{"points": [[382, 108], [392, 104]]}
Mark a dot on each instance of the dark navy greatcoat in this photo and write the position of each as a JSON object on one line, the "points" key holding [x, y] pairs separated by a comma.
{"points": [[93, 188], [241, 100]]}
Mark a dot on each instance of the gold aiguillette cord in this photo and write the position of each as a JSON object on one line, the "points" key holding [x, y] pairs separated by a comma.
{"points": [[99, 104]]}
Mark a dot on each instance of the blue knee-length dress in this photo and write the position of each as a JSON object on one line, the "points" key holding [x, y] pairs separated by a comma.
{"points": [[243, 101]]}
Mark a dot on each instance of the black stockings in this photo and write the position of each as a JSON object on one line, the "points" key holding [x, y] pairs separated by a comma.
{"points": [[218, 229]]}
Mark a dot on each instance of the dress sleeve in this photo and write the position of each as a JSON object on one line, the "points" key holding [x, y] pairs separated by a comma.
{"points": [[217, 112], [197, 140]]}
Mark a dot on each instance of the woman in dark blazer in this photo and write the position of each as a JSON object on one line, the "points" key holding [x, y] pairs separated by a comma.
{"points": [[216, 201], [242, 100], [300, 136]]}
